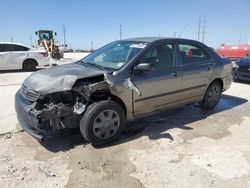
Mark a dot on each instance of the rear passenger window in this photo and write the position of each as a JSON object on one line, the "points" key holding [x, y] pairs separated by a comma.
{"points": [[192, 54], [1, 48], [23, 48], [13, 47]]}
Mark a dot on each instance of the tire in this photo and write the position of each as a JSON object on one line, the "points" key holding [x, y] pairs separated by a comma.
{"points": [[29, 65], [56, 55], [102, 122], [212, 96]]}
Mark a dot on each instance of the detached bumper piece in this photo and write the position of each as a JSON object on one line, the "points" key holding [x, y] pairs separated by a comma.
{"points": [[40, 124]]}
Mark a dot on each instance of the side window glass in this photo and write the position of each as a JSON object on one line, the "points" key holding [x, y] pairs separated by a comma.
{"points": [[162, 56], [192, 54], [4, 48], [23, 48], [11, 48], [1, 47]]}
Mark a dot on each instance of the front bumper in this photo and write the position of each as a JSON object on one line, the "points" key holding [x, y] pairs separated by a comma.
{"points": [[238, 75], [29, 121]]}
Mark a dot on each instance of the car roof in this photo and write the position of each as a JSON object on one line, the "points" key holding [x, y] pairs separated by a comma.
{"points": [[155, 39], [14, 43]]}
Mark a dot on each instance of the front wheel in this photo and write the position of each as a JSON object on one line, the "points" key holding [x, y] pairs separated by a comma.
{"points": [[212, 96], [102, 123], [29, 65]]}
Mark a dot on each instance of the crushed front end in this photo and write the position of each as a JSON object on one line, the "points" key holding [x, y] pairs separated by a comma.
{"points": [[42, 116]]}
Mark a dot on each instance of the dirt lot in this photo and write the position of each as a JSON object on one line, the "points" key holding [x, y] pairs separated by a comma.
{"points": [[182, 148]]}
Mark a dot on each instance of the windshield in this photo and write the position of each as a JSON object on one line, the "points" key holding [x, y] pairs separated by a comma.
{"points": [[115, 55], [45, 35]]}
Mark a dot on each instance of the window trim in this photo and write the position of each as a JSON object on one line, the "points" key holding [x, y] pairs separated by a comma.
{"points": [[208, 57], [160, 44], [20, 48]]}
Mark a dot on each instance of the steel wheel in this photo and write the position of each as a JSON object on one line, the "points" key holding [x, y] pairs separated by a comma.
{"points": [[102, 122], [213, 95], [106, 124]]}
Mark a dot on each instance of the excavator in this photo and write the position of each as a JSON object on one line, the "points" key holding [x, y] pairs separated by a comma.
{"points": [[46, 39]]}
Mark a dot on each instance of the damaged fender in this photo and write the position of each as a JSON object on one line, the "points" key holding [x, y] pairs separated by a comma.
{"points": [[130, 85]]}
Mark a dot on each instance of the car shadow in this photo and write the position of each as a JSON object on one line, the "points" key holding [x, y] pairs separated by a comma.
{"points": [[154, 126]]}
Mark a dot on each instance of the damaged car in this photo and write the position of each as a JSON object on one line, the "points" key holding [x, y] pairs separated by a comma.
{"points": [[120, 82]]}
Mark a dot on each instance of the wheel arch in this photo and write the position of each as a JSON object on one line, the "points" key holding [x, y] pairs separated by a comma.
{"points": [[110, 96], [219, 80], [29, 60], [120, 102]]}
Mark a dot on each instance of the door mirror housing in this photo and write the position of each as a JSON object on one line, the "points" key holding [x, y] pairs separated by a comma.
{"points": [[144, 67]]}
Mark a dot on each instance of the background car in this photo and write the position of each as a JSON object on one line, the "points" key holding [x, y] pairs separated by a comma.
{"points": [[18, 56], [241, 69]]}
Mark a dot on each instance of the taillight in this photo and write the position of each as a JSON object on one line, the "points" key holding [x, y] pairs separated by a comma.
{"points": [[44, 54]]}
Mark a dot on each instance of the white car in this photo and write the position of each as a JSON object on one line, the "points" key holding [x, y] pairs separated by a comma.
{"points": [[19, 56]]}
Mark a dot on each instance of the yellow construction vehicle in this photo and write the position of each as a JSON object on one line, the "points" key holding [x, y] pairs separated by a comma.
{"points": [[47, 40]]}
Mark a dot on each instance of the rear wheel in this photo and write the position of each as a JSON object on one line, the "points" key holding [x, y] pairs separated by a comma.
{"points": [[29, 65], [212, 96], [102, 123]]}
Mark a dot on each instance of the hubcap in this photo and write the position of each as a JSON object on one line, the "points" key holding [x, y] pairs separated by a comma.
{"points": [[213, 95], [106, 124]]}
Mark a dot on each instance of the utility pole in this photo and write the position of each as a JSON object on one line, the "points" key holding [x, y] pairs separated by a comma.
{"points": [[240, 39], [31, 41], [92, 46], [120, 31], [11, 39], [199, 28], [64, 36], [175, 34], [203, 30]]}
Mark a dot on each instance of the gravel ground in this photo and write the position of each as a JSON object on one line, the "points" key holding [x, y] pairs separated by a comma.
{"points": [[185, 147]]}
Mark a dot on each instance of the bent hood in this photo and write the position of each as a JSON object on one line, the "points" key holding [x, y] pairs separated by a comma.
{"points": [[60, 78]]}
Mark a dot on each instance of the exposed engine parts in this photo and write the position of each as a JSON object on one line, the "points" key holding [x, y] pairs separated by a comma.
{"points": [[63, 109], [79, 108]]}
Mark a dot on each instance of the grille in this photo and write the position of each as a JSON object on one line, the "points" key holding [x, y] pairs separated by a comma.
{"points": [[29, 94], [244, 69]]}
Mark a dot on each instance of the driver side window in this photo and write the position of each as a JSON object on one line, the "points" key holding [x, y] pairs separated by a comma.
{"points": [[161, 56]]}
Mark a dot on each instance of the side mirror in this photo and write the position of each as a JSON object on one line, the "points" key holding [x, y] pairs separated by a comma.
{"points": [[55, 34], [144, 67], [36, 33]]}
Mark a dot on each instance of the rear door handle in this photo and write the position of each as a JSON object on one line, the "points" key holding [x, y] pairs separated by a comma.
{"points": [[210, 67], [175, 74]]}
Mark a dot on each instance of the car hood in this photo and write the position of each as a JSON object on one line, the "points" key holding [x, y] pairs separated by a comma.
{"points": [[60, 78]]}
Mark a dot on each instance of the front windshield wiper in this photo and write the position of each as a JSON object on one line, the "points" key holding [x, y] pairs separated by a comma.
{"points": [[96, 65]]}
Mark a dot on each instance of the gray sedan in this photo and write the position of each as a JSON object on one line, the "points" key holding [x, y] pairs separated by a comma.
{"points": [[120, 82]]}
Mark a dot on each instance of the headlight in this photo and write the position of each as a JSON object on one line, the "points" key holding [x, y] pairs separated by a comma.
{"points": [[235, 65]]}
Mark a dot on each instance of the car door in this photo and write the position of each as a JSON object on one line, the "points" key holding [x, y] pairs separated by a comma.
{"points": [[159, 86], [3, 57], [13, 56], [2, 64], [196, 71]]}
